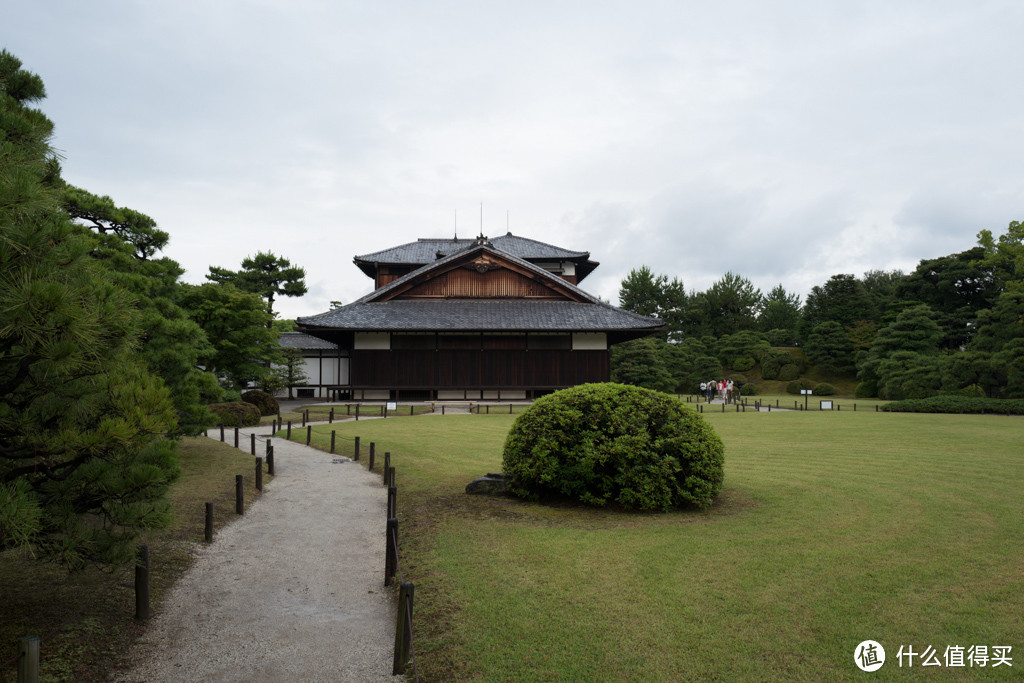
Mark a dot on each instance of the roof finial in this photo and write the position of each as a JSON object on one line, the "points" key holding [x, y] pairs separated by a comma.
{"points": [[481, 220], [508, 230], [456, 225]]}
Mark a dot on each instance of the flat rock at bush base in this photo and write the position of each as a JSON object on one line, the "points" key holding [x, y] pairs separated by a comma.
{"points": [[491, 485], [291, 591]]}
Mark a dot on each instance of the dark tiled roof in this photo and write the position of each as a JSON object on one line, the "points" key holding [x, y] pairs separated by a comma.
{"points": [[425, 250], [466, 315], [588, 314], [382, 292], [301, 340]]}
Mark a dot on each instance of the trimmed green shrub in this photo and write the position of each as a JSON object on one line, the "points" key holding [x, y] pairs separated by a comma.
{"points": [[789, 371], [868, 389], [824, 389], [742, 363], [266, 403], [957, 404], [748, 389], [230, 413], [796, 386], [612, 443], [780, 337]]}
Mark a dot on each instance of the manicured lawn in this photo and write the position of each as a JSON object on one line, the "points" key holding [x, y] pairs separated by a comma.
{"points": [[833, 528]]}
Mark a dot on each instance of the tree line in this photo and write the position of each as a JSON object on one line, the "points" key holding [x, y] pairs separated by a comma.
{"points": [[106, 356], [953, 325]]}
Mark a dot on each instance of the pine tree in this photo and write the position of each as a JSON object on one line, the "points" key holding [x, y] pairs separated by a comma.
{"points": [[82, 464]]}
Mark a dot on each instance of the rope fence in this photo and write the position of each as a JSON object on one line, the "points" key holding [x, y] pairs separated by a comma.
{"points": [[405, 649]]}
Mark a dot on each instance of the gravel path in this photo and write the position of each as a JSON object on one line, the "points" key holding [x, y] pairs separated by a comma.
{"points": [[291, 591]]}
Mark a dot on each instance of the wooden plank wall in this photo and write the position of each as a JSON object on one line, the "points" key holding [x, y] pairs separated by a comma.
{"points": [[461, 283], [475, 368]]}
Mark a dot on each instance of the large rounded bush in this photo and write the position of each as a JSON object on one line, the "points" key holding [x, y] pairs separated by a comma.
{"points": [[868, 389], [267, 404], [612, 443], [235, 413], [796, 386], [824, 389], [742, 363], [789, 371]]}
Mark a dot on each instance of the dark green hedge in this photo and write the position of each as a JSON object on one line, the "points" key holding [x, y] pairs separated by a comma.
{"points": [[229, 413], [797, 385], [266, 403], [957, 404], [613, 443], [743, 363]]}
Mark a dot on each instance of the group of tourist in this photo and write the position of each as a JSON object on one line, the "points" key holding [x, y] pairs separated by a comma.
{"points": [[722, 388]]}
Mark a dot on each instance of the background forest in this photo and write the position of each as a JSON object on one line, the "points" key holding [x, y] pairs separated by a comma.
{"points": [[953, 325]]}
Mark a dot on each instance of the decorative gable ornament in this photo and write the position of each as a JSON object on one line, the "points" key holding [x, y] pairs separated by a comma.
{"points": [[482, 264]]}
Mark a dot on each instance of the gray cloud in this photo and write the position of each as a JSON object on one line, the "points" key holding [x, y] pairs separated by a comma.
{"points": [[785, 141]]}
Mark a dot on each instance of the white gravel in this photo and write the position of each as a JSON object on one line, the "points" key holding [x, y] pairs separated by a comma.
{"points": [[291, 591]]}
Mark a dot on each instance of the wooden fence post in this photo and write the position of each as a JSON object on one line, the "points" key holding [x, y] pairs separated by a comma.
{"points": [[239, 495], [259, 474], [309, 434], [330, 417], [222, 431], [236, 437], [28, 660], [392, 501], [333, 434], [270, 461], [288, 435], [356, 452], [142, 584], [403, 629], [391, 551], [268, 447], [373, 450], [387, 466], [208, 528], [391, 475], [252, 444]]}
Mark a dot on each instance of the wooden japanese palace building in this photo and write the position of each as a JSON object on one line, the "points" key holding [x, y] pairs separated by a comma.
{"points": [[474, 318]]}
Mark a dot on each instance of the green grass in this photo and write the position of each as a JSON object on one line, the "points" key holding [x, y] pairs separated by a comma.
{"points": [[86, 619], [320, 412], [833, 528]]}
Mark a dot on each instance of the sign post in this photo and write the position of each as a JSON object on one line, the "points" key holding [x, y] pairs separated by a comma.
{"points": [[806, 393]]}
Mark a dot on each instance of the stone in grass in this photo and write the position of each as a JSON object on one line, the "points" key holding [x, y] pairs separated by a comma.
{"points": [[491, 485]]}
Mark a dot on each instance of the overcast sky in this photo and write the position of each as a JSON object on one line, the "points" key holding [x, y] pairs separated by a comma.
{"points": [[786, 141]]}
